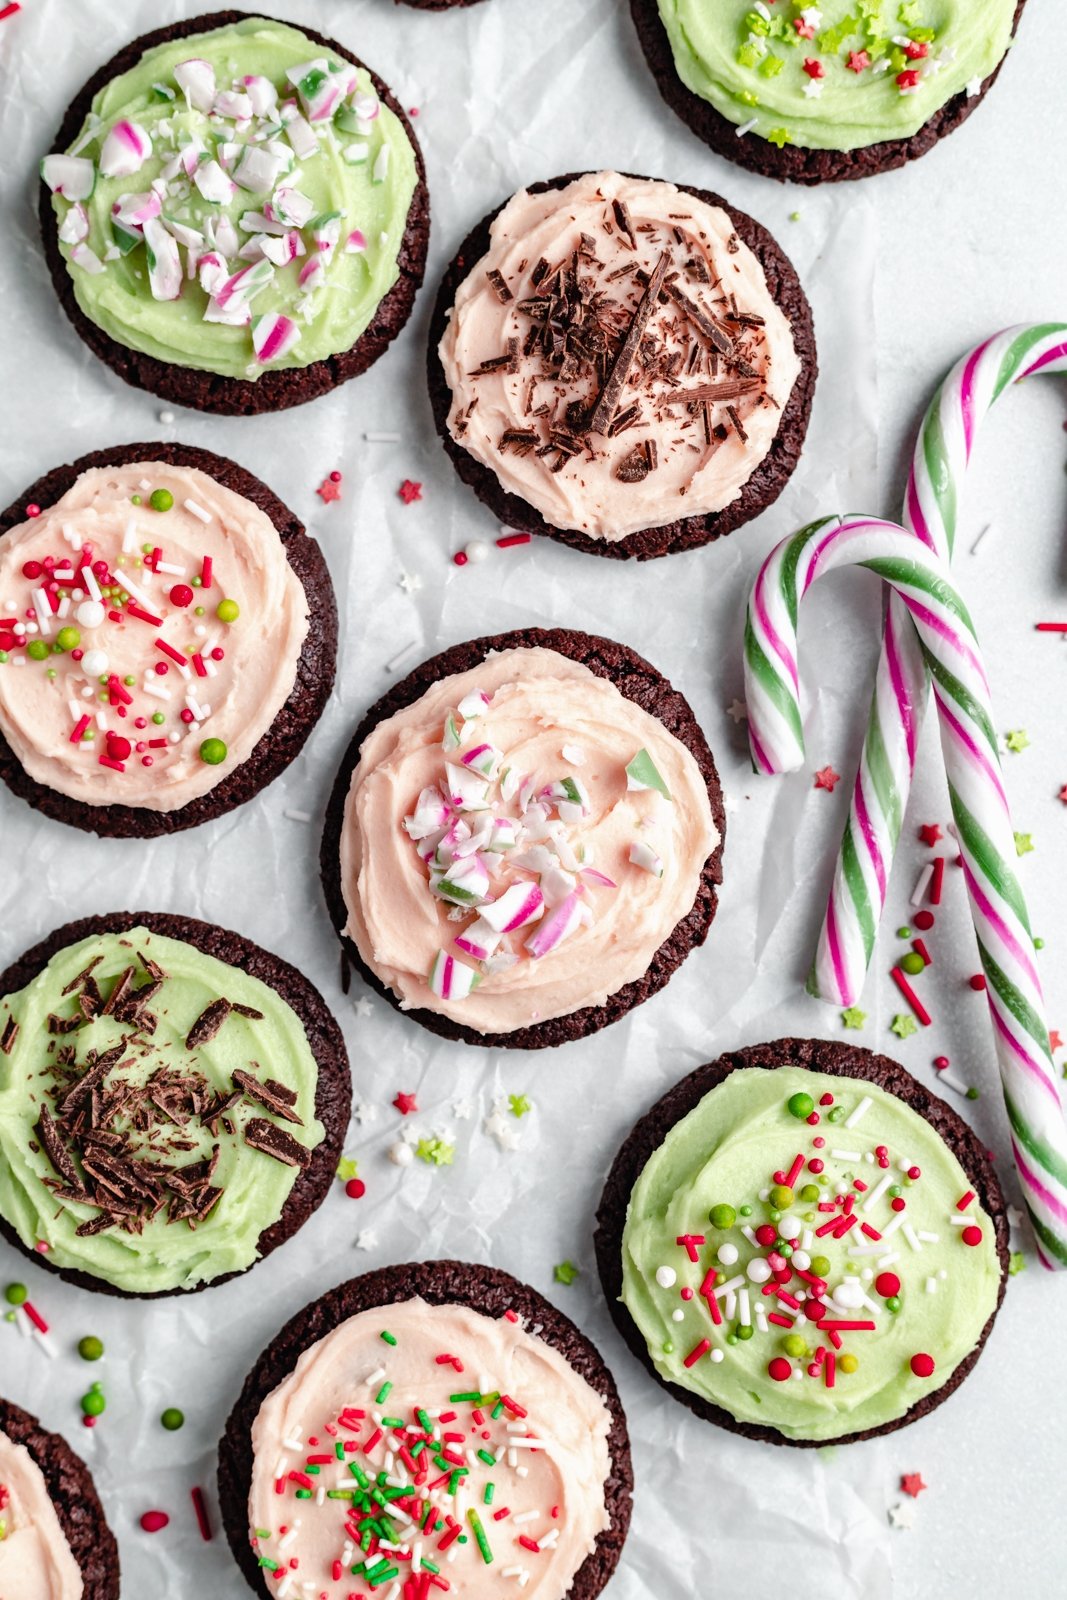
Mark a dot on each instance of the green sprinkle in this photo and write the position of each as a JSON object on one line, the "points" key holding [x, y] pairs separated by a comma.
{"points": [[16, 1294], [490, 1491], [339, 1450], [497, 1409], [262, 1533], [173, 1419], [213, 752], [93, 1404], [801, 1106], [312, 1471], [227, 611], [973, 1094], [37, 650], [303, 1494], [471, 1395], [424, 1421], [1016, 1264], [427, 1566], [161, 500], [565, 1272], [913, 963], [390, 1338], [903, 1026], [722, 1216], [519, 1104], [488, 1457], [340, 1494], [903, 933], [158, 717], [435, 1152], [271, 1566], [479, 1533]]}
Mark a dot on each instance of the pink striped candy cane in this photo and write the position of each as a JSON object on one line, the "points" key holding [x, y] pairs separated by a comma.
{"points": [[880, 794]]}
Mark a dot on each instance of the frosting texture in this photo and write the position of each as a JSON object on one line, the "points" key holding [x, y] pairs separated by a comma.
{"points": [[499, 862], [236, 200], [144, 653], [375, 1397], [156, 1106], [835, 76], [36, 1562], [819, 1278], [608, 402]]}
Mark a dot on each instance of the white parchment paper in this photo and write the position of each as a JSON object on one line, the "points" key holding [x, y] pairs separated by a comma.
{"points": [[508, 92]]}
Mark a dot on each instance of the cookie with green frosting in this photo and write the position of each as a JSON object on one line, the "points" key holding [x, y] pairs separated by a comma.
{"points": [[173, 1100], [803, 1244], [817, 94], [235, 214]]}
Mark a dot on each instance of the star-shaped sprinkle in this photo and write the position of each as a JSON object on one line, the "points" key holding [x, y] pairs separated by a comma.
{"points": [[903, 1026], [781, 136], [365, 1111], [1017, 740], [435, 1152], [1024, 844], [912, 1483], [930, 833], [405, 1103], [737, 711], [902, 1515], [1055, 1040], [330, 488], [1016, 1263], [565, 1272], [366, 1239], [499, 1128], [858, 61], [347, 1168], [974, 87], [410, 582], [519, 1105], [410, 491], [462, 1109], [826, 778], [853, 1017], [363, 1007]]}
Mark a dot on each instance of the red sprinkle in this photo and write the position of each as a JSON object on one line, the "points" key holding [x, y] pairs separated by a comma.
{"points": [[205, 573], [697, 1351], [965, 1199], [31, 510], [922, 1365], [977, 983], [460, 558], [154, 1521], [355, 1188], [779, 1369], [972, 1236], [924, 920], [937, 881], [511, 539], [35, 1317], [911, 997], [887, 1284], [203, 1522], [410, 491], [79, 728], [830, 1369]]}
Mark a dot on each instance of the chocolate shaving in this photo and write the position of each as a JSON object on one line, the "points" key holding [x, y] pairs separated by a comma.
{"points": [[608, 398], [505, 363], [9, 1035], [725, 389], [123, 985], [76, 983], [521, 440], [58, 1024], [280, 1104], [622, 217], [208, 1024], [736, 420], [57, 1153], [274, 1141], [702, 320], [247, 1011], [499, 286], [634, 467]]}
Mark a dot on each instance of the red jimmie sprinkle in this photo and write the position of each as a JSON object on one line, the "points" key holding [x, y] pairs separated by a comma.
{"points": [[35, 1317], [937, 881], [697, 1352], [911, 997], [964, 1200], [203, 1522], [511, 539], [205, 573]]}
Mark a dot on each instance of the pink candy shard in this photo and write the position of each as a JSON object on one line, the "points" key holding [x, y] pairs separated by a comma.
{"points": [[273, 336], [125, 150]]}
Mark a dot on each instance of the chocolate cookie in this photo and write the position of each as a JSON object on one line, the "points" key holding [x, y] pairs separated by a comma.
{"points": [[276, 389], [73, 1493], [440, 1283], [333, 1096], [291, 727], [636, 680], [685, 533], [817, 1055], [790, 163]]}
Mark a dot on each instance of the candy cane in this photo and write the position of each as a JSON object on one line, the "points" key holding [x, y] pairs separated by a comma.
{"points": [[880, 795], [922, 581]]}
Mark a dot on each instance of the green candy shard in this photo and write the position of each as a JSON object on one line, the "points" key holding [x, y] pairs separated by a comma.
{"points": [[642, 773]]}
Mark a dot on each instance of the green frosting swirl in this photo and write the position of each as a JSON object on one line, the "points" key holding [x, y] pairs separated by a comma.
{"points": [[165, 1254], [361, 179], [726, 1153], [748, 61]]}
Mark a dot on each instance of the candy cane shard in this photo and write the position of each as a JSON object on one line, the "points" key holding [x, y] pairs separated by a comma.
{"points": [[880, 794], [945, 640]]}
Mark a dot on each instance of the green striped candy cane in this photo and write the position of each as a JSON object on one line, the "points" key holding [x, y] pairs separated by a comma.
{"points": [[921, 581]]}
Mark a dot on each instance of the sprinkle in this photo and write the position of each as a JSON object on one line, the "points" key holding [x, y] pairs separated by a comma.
{"points": [[330, 488], [859, 1112], [923, 883], [697, 1352], [479, 1533], [297, 816], [410, 491], [938, 881], [910, 996], [195, 509], [203, 1522], [509, 540]]}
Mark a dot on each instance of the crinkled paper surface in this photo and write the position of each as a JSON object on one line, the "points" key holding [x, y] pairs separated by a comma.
{"points": [[904, 273]]}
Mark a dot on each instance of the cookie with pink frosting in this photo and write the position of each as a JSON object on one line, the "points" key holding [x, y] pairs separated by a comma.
{"points": [[623, 364], [168, 636], [55, 1543], [495, 1422], [524, 839]]}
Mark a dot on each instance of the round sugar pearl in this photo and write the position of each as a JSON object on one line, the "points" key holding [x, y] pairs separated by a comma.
{"points": [[849, 1294], [91, 613], [717, 1355], [476, 551], [678, 1316], [666, 1277], [758, 1270], [401, 1154], [790, 1227], [727, 1254], [801, 1260], [95, 663]]}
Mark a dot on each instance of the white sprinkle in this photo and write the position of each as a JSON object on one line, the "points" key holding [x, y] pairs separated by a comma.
{"points": [[859, 1112], [677, 1316], [746, 127], [169, 566], [918, 894], [761, 1322], [929, 1238], [195, 509], [878, 1191], [807, 1239], [896, 1221], [931, 1285], [526, 1516], [750, 1236], [746, 1309], [154, 687], [666, 1277], [912, 1237], [730, 1285], [961, 1222], [166, 417], [43, 610], [730, 1306], [846, 1155], [952, 1081], [297, 816], [374, 1377], [390, 666], [888, 1259], [138, 594]]}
